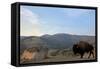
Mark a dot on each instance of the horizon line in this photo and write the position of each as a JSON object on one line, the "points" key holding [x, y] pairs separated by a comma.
{"points": [[58, 33]]}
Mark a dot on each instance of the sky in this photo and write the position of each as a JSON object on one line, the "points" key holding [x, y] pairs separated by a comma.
{"points": [[37, 21]]}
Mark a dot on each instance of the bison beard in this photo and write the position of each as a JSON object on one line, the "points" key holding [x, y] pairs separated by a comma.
{"points": [[83, 47]]}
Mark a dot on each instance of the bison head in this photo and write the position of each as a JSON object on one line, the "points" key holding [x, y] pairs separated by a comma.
{"points": [[75, 48]]}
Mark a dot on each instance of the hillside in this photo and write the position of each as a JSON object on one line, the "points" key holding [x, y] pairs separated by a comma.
{"points": [[58, 41]]}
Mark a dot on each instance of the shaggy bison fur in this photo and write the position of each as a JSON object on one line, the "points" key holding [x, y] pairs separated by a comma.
{"points": [[83, 47]]}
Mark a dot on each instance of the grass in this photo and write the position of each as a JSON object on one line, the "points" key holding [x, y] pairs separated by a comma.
{"points": [[56, 55]]}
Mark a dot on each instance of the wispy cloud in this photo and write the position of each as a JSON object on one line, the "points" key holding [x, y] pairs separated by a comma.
{"points": [[29, 22], [28, 15], [44, 20]]}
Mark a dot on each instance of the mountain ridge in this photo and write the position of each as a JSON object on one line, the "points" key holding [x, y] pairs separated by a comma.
{"points": [[59, 40]]}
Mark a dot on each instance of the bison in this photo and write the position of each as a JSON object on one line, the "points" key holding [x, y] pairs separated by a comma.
{"points": [[83, 47]]}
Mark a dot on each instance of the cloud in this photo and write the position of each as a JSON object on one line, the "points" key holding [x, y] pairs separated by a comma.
{"points": [[30, 23], [29, 16]]}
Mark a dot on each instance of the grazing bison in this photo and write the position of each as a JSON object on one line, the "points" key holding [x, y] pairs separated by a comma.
{"points": [[83, 47]]}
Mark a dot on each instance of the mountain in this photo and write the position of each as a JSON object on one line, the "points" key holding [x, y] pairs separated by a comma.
{"points": [[32, 41], [58, 41]]}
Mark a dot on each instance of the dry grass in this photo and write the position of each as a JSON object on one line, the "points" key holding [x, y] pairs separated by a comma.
{"points": [[57, 56]]}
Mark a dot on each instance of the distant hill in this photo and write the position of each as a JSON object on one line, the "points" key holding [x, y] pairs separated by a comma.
{"points": [[54, 41], [32, 41]]}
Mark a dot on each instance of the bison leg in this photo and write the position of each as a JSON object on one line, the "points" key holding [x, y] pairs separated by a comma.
{"points": [[82, 55], [89, 54], [92, 53]]}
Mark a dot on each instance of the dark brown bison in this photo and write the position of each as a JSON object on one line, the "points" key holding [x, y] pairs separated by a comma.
{"points": [[83, 47]]}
